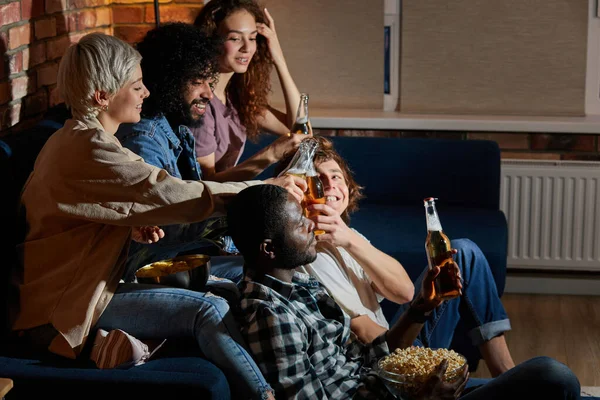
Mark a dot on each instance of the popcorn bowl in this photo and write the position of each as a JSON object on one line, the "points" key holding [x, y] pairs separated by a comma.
{"points": [[405, 371], [185, 272]]}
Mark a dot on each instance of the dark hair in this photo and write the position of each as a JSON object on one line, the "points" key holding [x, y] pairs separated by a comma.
{"points": [[255, 214], [173, 55], [249, 91], [326, 152]]}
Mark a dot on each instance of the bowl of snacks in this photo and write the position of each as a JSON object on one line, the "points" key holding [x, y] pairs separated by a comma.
{"points": [[405, 371], [185, 272]]}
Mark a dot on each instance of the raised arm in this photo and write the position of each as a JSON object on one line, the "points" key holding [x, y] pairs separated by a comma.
{"points": [[388, 276], [403, 333], [254, 165], [275, 121]]}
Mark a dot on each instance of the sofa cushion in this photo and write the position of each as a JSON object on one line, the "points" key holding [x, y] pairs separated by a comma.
{"points": [[188, 377]]}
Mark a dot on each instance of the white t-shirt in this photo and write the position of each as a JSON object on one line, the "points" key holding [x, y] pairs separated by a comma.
{"points": [[346, 281]]}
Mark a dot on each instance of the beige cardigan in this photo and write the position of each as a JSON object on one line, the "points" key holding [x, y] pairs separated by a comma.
{"points": [[85, 193]]}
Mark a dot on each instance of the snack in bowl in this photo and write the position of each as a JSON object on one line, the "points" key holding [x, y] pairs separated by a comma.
{"points": [[186, 272], [405, 371]]}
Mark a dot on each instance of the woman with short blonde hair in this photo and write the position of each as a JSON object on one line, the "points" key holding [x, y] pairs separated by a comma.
{"points": [[82, 199], [96, 62]]}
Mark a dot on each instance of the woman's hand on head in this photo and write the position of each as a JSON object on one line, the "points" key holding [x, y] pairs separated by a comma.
{"points": [[330, 221], [147, 234], [295, 185], [268, 31]]}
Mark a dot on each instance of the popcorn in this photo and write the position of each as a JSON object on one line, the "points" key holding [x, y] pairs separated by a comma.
{"points": [[416, 365]]}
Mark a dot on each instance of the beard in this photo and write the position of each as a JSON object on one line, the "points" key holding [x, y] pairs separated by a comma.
{"points": [[182, 114], [291, 257]]}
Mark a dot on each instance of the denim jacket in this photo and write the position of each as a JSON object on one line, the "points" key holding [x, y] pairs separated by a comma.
{"points": [[158, 144]]}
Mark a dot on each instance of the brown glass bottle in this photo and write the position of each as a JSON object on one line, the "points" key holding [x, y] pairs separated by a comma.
{"points": [[302, 165], [313, 195], [438, 248]]}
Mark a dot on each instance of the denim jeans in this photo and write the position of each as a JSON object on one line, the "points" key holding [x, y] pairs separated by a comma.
{"points": [[226, 272], [477, 315], [156, 312], [537, 378]]}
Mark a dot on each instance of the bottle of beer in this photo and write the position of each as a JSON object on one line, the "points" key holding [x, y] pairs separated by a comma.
{"points": [[302, 124], [302, 160], [314, 194], [302, 165], [438, 248]]}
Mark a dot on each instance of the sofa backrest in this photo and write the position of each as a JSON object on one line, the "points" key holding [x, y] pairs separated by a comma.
{"points": [[406, 170], [17, 156]]}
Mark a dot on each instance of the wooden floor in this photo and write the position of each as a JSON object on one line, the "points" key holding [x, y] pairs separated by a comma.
{"points": [[566, 328]]}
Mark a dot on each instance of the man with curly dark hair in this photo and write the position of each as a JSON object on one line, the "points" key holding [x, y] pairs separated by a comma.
{"points": [[180, 69], [179, 65]]}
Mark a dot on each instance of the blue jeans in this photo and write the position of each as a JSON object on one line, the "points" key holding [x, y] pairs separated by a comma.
{"points": [[231, 270], [537, 378], [477, 315], [157, 312]]}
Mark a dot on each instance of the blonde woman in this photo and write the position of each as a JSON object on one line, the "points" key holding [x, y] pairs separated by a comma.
{"points": [[82, 199]]}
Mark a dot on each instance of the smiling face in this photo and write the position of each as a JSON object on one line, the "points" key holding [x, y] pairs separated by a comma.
{"points": [[334, 185], [239, 33], [196, 96], [126, 105]]}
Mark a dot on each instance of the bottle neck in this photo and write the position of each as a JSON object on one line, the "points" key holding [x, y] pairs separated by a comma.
{"points": [[302, 113], [302, 163], [432, 217]]}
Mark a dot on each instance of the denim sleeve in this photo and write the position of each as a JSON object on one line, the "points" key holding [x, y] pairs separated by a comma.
{"points": [[148, 148]]}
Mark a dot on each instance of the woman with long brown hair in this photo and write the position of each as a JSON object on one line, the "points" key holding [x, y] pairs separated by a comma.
{"points": [[240, 108]]}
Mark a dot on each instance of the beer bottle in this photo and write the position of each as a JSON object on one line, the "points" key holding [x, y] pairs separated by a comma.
{"points": [[302, 160], [302, 165], [302, 124], [438, 249], [314, 194]]}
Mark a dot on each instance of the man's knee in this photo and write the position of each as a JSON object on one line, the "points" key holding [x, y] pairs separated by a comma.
{"points": [[554, 376], [469, 258], [466, 246], [217, 305]]}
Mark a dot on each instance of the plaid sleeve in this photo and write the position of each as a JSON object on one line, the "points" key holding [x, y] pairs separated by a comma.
{"points": [[279, 345], [370, 352]]}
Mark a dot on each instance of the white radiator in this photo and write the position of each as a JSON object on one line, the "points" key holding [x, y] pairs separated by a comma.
{"points": [[553, 213]]}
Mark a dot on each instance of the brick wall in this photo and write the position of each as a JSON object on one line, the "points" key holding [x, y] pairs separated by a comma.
{"points": [[33, 36], [133, 18], [514, 145]]}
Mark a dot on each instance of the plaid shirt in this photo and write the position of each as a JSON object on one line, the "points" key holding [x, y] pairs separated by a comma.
{"points": [[301, 340]]}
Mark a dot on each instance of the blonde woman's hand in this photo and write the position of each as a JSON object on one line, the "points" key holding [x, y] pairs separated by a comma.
{"points": [[286, 144], [147, 234], [268, 31], [295, 185]]}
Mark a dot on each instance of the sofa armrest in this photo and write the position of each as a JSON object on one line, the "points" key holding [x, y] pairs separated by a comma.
{"points": [[5, 386]]}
